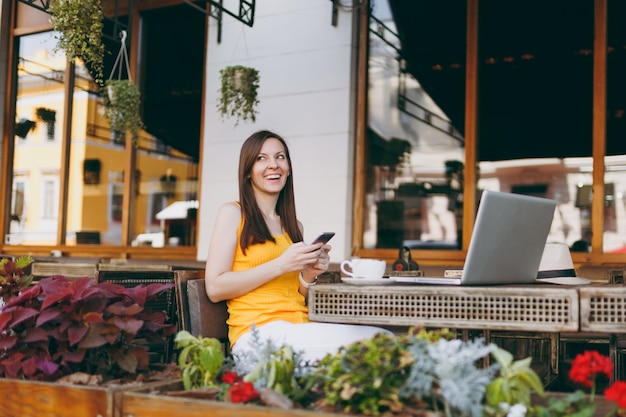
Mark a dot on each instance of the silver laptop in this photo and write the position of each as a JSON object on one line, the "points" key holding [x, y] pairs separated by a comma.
{"points": [[507, 242]]}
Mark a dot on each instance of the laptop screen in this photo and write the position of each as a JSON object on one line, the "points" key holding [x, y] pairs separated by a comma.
{"points": [[508, 239]]}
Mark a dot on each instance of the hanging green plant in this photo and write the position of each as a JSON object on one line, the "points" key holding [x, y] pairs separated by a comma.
{"points": [[79, 25], [123, 105], [239, 93], [123, 97], [23, 127], [46, 114]]}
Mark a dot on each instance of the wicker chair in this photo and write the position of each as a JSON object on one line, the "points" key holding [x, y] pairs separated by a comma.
{"points": [[166, 301]]}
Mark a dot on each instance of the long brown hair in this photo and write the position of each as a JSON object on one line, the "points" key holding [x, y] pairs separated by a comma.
{"points": [[255, 229]]}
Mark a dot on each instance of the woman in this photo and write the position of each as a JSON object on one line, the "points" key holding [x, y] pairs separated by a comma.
{"points": [[258, 262]]}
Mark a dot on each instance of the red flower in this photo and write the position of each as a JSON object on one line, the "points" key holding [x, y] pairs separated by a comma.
{"points": [[230, 377], [617, 393], [586, 366], [242, 392]]}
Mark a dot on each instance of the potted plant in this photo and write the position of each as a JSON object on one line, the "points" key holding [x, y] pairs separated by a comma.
{"points": [[45, 114], [14, 276], [238, 95], [123, 102], [123, 107], [23, 127], [77, 333], [587, 369], [200, 360], [423, 373], [79, 25], [383, 374]]}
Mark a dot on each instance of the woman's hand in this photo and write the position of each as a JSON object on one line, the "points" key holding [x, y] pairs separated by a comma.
{"points": [[312, 260], [322, 262], [300, 256]]}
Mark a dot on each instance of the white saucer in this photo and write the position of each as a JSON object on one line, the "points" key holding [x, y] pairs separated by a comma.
{"points": [[365, 281]]}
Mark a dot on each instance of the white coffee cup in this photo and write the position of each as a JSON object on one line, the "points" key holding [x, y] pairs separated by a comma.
{"points": [[364, 268]]}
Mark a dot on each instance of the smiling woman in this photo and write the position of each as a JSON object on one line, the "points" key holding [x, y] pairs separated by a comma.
{"points": [[260, 265]]}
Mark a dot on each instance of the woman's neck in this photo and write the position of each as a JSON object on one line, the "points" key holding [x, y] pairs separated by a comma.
{"points": [[267, 205]]}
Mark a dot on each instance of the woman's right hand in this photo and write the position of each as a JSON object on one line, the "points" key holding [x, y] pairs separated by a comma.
{"points": [[300, 256]]}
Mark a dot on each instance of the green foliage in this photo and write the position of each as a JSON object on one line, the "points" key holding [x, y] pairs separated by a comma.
{"points": [[238, 93], [515, 383], [432, 335], [364, 377], [123, 107], [278, 371], [46, 114], [279, 368], [445, 375], [200, 360], [575, 404], [14, 276], [79, 24], [382, 375]]}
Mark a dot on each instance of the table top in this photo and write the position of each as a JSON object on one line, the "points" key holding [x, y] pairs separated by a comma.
{"points": [[536, 308]]}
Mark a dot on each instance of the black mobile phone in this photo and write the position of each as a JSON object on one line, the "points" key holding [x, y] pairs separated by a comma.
{"points": [[324, 237]]}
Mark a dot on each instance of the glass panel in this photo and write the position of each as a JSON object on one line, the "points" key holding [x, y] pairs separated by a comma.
{"points": [[614, 239], [97, 160], [38, 128], [168, 151], [535, 106], [414, 142], [167, 199]]}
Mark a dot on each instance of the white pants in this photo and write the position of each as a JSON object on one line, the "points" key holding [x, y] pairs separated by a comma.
{"points": [[313, 340]]}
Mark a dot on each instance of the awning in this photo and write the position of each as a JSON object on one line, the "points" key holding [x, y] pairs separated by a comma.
{"points": [[177, 210]]}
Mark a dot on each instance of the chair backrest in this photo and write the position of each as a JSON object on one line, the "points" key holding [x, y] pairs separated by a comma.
{"points": [[197, 314], [69, 270]]}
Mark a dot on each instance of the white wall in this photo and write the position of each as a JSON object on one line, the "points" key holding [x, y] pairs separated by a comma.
{"points": [[305, 68]]}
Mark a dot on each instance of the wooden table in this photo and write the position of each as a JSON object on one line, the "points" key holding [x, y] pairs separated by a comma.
{"points": [[544, 308], [603, 309], [550, 309]]}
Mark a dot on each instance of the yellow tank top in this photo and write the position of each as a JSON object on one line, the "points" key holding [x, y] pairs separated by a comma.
{"points": [[277, 299]]}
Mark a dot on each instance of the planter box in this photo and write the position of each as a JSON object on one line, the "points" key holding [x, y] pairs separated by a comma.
{"points": [[50, 399], [148, 403], [602, 405]]}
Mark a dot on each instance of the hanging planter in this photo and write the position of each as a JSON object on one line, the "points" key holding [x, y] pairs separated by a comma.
{"points": [[123, 98], [23, 127], [239, 93], [79, 25], [46, 115], [122, 108]]}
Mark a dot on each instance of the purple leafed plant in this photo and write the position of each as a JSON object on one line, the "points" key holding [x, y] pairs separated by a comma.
{"points": [[56, 328], [14, 276]]}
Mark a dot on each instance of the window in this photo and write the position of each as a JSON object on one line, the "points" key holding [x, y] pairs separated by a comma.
{"points": [[50, 199], [117, 199], [535, 112], [414, 145], [50, 125], [18, 201]]}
